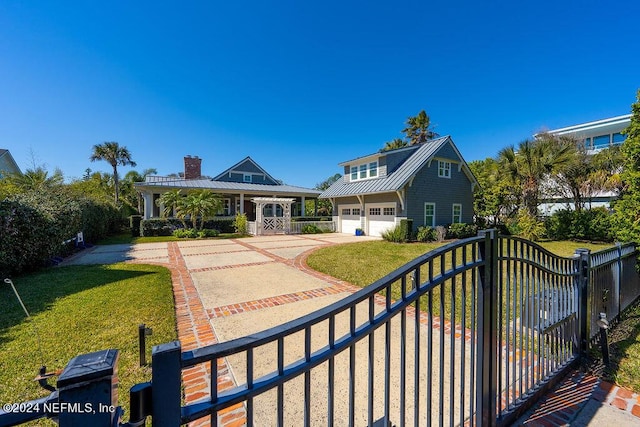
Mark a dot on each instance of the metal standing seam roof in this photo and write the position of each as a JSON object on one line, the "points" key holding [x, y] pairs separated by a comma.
{"points": [[396, 180], [197, 184]]}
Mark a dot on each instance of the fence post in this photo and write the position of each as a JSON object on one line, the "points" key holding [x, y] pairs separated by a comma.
{"points": [[584, 298], [166, 377], [487, 375], [618, 282], [88, 390]]}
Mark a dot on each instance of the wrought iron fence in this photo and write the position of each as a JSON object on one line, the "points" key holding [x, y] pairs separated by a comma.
{"points": [[469, 334]]}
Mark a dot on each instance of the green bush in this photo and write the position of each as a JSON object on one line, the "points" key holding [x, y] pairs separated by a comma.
{"points": [[395, 234], [587, 224], [159, 226], [311, 229], [461, 231], [134, 224], [529, 226], [223, 225], [407, 228], [426, 234], [241, 224]]}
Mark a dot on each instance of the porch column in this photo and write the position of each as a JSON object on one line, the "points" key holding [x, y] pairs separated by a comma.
{"points": [[315, 207], [148, 204], [302, 211], [241, 203]]}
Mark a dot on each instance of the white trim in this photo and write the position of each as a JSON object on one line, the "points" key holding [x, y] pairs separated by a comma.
{"points": [[433, 221], [446, 168], [453, 212]]}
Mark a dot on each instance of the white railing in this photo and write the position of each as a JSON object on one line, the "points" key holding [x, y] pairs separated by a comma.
{"points": [[325, 226], [251, 228]]}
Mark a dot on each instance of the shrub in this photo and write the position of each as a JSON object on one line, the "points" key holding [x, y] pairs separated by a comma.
{"points": [[159, 226], [529, 226], [461, 231], [134, 224], [185, 233], [240, 224], [588, 224], [395, 234], [311, 229], [426, 234], [406, 225], [207, 232], [223, 225]]}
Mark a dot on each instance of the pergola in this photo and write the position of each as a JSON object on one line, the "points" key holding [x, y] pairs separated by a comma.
{"points": [[273, 224]]}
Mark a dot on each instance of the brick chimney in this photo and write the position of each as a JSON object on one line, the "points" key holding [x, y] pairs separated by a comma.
{"points": [[192, 167]]}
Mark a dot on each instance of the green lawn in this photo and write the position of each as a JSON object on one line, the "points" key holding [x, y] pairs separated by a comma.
{"points": [[126, 238], [78, 310]]}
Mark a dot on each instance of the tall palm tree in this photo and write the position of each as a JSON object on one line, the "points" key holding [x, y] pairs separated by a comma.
{"points": [[114, 154], [418, 128], [532, 163]]}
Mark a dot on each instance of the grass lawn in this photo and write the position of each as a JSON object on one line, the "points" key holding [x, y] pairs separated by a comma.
{"points": [[78, 310], [365, 262]]}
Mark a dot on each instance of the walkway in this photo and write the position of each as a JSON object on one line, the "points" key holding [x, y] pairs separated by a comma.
{"points": [[229, 288]]}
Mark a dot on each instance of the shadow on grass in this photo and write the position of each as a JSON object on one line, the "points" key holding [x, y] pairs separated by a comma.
{"points": [[39, 291]]}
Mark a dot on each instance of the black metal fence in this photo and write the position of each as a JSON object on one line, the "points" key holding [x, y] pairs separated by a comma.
{"points": [[469, 334]]}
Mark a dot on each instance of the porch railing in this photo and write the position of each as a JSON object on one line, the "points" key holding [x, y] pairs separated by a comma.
{"points": [[297, 227]]}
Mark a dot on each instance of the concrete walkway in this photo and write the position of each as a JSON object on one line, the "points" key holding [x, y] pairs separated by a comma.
{"points": [[225, 289]]}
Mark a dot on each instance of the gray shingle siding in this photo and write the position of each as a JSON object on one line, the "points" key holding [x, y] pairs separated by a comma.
{"points": [[444, 192], [447, 152], [239, 177]]}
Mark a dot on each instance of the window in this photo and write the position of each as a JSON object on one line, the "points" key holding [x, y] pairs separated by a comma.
{"points": [[226, 208], [389, 211], [346, 211], [363, 171], [618, 138], [247, 177], [430, 214], [355, 211], [444, 169], [374, 211], [373, 169], [457, 213], [601, 141]]}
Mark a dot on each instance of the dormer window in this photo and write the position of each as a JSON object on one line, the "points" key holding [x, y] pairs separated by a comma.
{"points": [[364, 171], [247, 177], [444, 169]]}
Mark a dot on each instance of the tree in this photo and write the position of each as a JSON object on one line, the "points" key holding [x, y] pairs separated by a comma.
{"points": [[115, 155], [34, 179], [627, 208], [201, 204], [128, 188], [418, 129], [324, 206], [395, 144], [530, 165], [494, 198], [169, 202]]}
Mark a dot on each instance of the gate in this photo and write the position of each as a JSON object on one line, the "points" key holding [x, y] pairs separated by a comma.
{"points": [[469, 334]]}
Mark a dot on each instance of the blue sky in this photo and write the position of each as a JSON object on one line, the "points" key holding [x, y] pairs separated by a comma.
{"points": [[301, 86]]}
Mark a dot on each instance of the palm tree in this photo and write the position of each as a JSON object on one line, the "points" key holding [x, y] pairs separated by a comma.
{"points": [[34, 179], [394, 143], [532, 163], [200, 203], [170, 201], [115, 155], [418, 128], [131, 178]]}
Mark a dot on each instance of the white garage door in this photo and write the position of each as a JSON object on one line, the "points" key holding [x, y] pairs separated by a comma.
{"points": [[349, 218], [380, 217]]}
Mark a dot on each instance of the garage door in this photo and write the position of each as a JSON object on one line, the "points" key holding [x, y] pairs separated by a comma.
{"points": [[380, 217], [349, 218]]}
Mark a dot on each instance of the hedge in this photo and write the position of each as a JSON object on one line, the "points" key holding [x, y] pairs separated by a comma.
{"points": [[587, 224], [166, 226], [34, 225]]}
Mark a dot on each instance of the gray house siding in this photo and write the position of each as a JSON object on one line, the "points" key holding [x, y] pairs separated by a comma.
{"points": [[444, 192], [447, 152], [256, 178]]}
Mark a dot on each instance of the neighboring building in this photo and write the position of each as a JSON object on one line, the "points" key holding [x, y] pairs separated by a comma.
{"points": [[238, 185], [7, 164], [596, 136], [429, 183], [599, 134]]}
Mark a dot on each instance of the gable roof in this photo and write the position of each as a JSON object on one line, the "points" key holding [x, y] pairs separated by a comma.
{"points": [[7, 158], [246, 159], [397, 179]]}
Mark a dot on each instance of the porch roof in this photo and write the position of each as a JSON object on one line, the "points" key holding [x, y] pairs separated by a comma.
{"points": [[165, 183]]}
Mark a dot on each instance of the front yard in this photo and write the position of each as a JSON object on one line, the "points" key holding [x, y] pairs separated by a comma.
{"points": [[78, 310]]}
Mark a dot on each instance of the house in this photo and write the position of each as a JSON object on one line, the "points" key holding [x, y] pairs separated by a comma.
{"points": [[244, 186], [429, 183], [7, 163], [596, 136]]}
